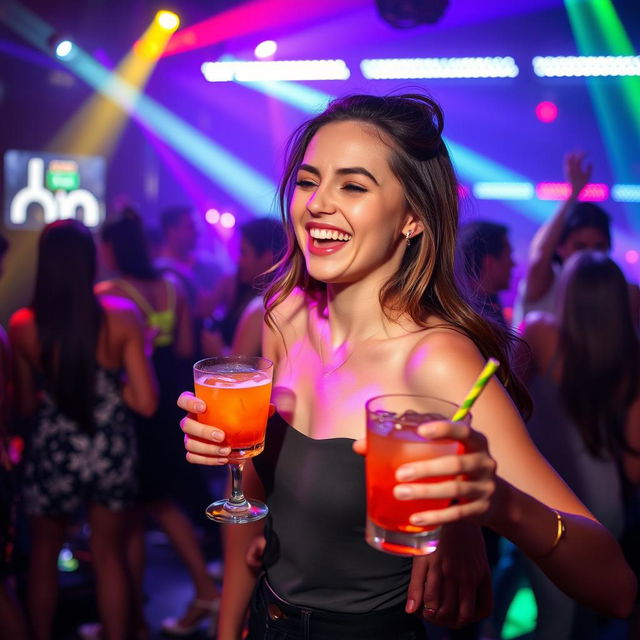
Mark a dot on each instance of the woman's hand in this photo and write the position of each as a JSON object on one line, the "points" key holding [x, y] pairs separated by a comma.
{"points": [[201, 441], [473, 477], [576, 171], [451, 587]]}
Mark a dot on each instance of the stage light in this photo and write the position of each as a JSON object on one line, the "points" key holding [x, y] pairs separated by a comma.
{"points": [[168, 20], [503, 190], [266, 49], [411, 68], [585, 66], [593, 192], [406, 14], [212, 216], [64, 49], [631, 256], [546, 111], [228, 220], [239, 71], [625, 192]]}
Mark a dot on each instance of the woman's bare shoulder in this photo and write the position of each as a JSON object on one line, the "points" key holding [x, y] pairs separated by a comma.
{"points": [[121, 311], [441, 360]]}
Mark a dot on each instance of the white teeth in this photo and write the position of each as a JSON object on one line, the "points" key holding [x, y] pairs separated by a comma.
{"points": [[328, 234]]}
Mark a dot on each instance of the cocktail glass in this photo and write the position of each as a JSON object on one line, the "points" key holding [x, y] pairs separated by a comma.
{"points": [[236, 390], [393, 440]]}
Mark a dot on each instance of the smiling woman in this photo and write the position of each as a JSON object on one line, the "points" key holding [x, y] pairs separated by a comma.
{"points": [[357, 311]]}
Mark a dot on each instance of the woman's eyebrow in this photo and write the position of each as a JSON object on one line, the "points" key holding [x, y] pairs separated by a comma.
{"points": [[341, 172]]}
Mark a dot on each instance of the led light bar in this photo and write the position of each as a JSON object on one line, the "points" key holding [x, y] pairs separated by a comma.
{"points": [[503, 190], [407, 68], [592, 192], [278, 70], [585, 66], [625, 192]]}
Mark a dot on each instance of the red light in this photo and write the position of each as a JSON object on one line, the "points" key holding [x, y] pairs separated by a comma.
{"points": [[546, 111]]}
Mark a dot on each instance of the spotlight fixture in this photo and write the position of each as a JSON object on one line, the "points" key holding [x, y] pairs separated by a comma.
{"points": [[168, 20], [266, 49], [62, 46], [406, 14]]}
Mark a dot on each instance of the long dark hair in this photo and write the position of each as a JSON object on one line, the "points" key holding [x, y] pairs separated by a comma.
{"points": [[600, 351], [68, 316], [426, 282], [126, 236]]}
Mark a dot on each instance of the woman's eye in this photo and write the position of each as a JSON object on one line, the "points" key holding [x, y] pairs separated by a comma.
{"points": [[354, 187], [305, 183]]}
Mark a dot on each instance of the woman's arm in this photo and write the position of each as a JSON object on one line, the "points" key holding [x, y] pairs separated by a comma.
{"points": [[22, 333], [239, 578], [517, 500], [544, 243], [139, 390], [183, 345]]}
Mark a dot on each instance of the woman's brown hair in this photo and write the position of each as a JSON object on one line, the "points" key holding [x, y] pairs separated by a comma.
{"points": [[600, 351], [425, 284]]}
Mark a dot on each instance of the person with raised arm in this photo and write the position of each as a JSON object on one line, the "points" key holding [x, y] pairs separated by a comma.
{"points": [[576, 226]]}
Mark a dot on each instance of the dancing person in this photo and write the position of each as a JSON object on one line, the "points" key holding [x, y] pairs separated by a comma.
{"points": [[79, 366], [365, 304], [262, 243], [488, 261], [164, 476], [178, 254], [584, 378], [575, 226]]}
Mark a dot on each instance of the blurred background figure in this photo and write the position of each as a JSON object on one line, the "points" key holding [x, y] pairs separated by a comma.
{"points": [[584, 377], [239, 327], [80, 365], [197, 270], [12, 622], [488, 262], [575, 226], [164, 475]]}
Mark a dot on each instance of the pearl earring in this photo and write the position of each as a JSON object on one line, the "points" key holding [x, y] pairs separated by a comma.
{"points": [[408, 236]]}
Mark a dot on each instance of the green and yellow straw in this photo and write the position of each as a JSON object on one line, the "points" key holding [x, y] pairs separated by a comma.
{"points": [[484, 377]]}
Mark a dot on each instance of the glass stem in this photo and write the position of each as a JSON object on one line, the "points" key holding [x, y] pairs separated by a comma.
{"points": [[237, 497]]}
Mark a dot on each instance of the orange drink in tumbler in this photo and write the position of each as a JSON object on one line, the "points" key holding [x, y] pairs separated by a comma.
{"points": [[393, 440], [238, 403]]}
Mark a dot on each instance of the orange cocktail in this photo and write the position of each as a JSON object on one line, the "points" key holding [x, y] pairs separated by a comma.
{"points": [[236, 391], [237, 403], [393, 440]]}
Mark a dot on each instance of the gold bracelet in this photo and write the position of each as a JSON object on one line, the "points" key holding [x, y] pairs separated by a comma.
{"points": [[560, 531]]}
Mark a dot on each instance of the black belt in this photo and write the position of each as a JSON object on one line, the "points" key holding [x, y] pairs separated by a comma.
{"points": [[307, 623]]}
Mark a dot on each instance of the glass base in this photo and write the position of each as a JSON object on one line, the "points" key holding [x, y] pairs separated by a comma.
{"points": [[401, 543], [227, 512]]}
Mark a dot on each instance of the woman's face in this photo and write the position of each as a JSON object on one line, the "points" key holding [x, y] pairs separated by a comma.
{"points": [[348, 209]]}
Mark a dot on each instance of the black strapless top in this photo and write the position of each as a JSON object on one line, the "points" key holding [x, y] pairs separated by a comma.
{"points": [[316, 554]]}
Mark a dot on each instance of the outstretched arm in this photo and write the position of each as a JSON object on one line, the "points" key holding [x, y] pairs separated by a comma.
{"points": [[513, 491], [545, 241]]}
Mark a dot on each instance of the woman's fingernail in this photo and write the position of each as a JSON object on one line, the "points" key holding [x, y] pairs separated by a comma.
{"points": [[200, 406], [225, 451], [216, 436], [403, 492], [417, 519], [428, 611], [404, 473], [410, 606]]}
